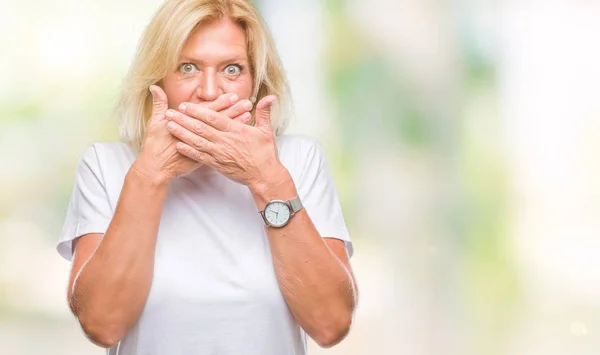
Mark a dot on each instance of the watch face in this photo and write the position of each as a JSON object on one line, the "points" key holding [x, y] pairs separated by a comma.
{"points": [[277, 213]]}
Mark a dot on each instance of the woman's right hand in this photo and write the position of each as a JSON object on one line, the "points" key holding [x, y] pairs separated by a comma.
{"points": [[159, 161]]}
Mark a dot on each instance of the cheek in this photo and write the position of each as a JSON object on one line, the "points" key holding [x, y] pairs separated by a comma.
{"points": [[242, 87], [178, 91]]}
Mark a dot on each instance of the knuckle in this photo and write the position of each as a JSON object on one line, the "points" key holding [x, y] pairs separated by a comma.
{"points": [[199, 127], [211, 117], [198, 144], [158, 106], [198, 156]]}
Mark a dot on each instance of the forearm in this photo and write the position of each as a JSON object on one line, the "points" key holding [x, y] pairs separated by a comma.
{"points": [[111, 289], [317, 286]]}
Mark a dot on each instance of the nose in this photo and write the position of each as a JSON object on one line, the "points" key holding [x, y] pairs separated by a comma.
{"points": [[208, 88]]}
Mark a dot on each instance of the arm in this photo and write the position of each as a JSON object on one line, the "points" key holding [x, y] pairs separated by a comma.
{"points": [[314, 274], [112, 272], [110, 283]]}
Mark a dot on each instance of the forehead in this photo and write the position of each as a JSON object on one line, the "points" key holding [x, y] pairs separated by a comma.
{"points": [[216, 39]]}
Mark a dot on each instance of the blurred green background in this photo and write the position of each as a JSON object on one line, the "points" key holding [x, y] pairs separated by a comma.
{"points": [[463, 137]]}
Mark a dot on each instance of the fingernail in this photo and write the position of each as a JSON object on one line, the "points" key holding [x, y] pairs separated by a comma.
{"points": [[182, 107], [234, 98], [247, 105], [170, 113]]}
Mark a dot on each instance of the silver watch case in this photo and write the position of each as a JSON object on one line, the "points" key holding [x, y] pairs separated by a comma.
{"points": [[294, 205]]}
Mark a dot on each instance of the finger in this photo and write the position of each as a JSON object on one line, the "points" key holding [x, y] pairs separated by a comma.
{"points": [[189, 138], [193, 125], [160, 104], [244, 118], [263, 111], [206, 115], [238, 109], [223, 102], [194, 154]]}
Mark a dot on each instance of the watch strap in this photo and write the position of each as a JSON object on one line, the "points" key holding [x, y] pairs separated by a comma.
{"points": [[296, 204]]}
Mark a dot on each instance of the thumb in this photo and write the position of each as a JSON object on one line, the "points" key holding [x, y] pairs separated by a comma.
{"points": [[262, 113], [160, 104]]}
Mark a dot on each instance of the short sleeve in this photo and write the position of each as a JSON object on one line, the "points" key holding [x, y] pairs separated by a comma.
{"points": [[89, 208], [319, 195]]}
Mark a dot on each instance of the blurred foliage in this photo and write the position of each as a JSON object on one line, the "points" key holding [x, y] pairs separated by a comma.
{"points": [[493, 289], [374, 101]]}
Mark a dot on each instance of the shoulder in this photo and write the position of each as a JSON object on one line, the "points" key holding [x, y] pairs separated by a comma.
{"points": [[302, 155], [298, 146], [107, 157], [109, 150]]}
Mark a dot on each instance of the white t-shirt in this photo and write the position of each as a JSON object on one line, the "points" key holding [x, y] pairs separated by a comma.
{"points": [[214, 290]]}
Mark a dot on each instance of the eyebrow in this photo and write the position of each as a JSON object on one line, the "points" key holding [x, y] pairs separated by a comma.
{"points": [[232, 59]]}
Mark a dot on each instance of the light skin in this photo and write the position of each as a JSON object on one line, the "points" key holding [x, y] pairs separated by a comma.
{"points": [[196, 122]]}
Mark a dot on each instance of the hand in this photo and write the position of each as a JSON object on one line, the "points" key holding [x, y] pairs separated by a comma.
{"points": [[241, 152], [159, 160]]}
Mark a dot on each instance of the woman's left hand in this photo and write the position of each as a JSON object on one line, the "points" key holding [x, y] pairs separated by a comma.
{"points": [[243, 153]]}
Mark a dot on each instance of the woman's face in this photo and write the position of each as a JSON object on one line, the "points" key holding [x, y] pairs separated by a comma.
{"points": [[213, 61]]}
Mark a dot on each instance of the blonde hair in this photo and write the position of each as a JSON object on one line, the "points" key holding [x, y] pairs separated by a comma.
{"points": [[158, 52]]}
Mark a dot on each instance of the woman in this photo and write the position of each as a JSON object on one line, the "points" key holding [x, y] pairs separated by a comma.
{"points": [[207, 231]]}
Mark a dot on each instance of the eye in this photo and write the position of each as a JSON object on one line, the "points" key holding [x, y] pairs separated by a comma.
{"points": [[188, 68], [233, 70]]}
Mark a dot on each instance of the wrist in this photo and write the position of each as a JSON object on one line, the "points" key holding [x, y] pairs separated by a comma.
{"points": [[144, 171], [277, 184]]}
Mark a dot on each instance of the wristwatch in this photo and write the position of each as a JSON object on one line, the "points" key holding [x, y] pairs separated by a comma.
{"points": [[278, 213]]}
